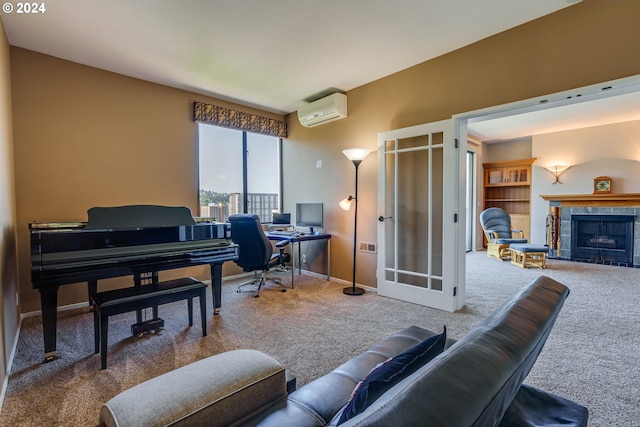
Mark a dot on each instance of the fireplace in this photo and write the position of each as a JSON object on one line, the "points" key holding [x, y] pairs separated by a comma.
{"points": [[605, 245], [606, 239]]}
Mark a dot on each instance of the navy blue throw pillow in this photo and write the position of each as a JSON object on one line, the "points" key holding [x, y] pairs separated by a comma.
{"points": [[390, 373]]}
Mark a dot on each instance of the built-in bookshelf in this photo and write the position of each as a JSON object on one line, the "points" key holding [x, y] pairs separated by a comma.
{"points": [[507, 185]]}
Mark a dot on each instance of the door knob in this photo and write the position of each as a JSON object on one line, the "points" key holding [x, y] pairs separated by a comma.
{"points": [[382, 218]]}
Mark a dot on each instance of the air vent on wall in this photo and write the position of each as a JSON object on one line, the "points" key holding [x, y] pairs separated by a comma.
{"points": [[368, 247]]}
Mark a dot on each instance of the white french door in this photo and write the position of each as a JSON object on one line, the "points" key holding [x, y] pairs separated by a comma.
{"points": [[418, 199]]}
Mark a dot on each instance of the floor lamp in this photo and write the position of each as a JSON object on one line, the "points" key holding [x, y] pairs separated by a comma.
{"points": [[356, 155]]}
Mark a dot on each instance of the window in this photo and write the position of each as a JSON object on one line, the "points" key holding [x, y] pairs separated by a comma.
{"points": [[239, 173]]}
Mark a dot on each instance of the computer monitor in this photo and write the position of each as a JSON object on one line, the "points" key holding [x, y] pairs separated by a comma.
{"points": [[309, 215], [281, 218]]}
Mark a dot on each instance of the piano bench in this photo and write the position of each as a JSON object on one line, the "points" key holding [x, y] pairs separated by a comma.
{"points": [[118, 301]]}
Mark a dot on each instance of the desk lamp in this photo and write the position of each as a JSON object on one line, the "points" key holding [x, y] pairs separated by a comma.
{"points": [[356, 155]]}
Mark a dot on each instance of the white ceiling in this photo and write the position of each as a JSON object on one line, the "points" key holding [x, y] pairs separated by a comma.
{"points": [[277, 55], [274, 55], [614, 109]]}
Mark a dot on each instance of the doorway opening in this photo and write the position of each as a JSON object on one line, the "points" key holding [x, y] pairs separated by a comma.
{"points": [[480, 122], [470, 198]]}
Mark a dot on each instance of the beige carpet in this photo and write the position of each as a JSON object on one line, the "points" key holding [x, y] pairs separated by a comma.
{"points": [[592, 355]]}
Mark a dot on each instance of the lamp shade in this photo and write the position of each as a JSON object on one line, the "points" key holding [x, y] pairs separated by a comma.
{"points": [[557, 169], [355, 154], [346, 203]]}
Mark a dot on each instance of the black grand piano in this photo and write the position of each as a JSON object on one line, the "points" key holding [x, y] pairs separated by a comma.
{"points": [[136, 240]]}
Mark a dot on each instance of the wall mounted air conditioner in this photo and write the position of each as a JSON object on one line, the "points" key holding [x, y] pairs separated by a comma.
{"points": [[324, 110]]}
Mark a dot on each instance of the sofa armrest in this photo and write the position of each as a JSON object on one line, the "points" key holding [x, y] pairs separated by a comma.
{"points": [[215, 391], [532, 407]]}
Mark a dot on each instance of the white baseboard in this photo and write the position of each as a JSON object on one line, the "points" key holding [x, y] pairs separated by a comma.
{"points": [[12, 355], [310, 273], [84, 304]]}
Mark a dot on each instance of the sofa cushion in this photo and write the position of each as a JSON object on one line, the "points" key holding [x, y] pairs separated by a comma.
{"points": [[390, 372]]}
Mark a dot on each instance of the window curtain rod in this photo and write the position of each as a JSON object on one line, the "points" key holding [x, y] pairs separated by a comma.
{"points": [[226, 117]]}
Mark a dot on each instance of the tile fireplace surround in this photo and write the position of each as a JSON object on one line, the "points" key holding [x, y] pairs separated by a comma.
{"points": [[590, 204]]}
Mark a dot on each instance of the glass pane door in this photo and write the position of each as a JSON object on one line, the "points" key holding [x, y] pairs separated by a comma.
{"points": [[412, 258]]}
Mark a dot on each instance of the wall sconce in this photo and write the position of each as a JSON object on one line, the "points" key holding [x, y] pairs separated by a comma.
{"points": [[356, 155], [557, 170]]}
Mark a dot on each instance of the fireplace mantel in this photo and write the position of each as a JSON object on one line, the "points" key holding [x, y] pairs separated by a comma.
{"points": [[572, 200]]}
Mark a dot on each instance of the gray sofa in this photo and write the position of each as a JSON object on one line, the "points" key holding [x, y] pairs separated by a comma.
{"points": [[476, 381]]}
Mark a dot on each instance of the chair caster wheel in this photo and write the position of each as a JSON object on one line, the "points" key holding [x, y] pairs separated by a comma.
{"points": [[256, 296], [284, 290]]}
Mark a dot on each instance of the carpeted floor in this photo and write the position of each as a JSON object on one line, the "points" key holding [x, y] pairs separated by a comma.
{"points": [[592, 355]]}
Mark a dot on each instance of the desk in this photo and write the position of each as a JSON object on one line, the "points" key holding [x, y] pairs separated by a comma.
{"points": [[299, 238]]}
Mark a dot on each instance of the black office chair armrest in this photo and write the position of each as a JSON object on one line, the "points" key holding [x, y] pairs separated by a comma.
{"points": [[281, 244], [283, 257]]}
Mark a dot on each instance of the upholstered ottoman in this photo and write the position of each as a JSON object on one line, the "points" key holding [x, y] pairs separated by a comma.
{"points": [[526, 255]]}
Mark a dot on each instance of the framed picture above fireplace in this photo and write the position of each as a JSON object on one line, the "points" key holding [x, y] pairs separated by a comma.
{"points": [[602, 185]]}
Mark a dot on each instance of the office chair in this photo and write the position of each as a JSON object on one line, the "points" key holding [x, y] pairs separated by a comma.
{"points": [[255, 252], [496, 224]]}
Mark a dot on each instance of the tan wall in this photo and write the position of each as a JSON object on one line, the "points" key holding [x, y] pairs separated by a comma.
{"points": [[86, 137], [584, 44], [8, 262]]}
